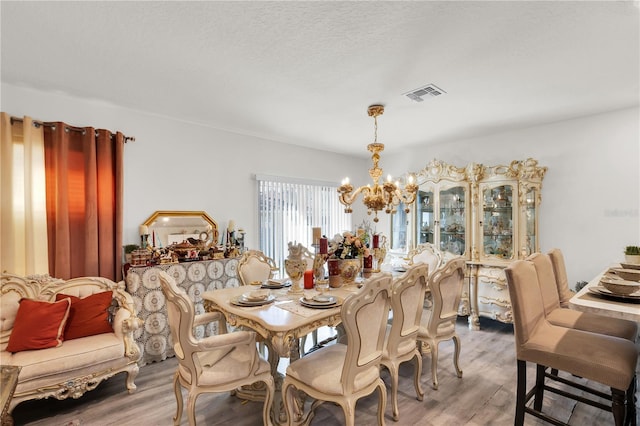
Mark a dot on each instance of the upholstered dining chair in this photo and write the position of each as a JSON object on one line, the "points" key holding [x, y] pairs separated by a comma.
{"points": [[426, 253], [254, 265], [560, 271], [565, 317], [345, 373], [400, 346], [439, 323], [608, 360], [218, 363]]}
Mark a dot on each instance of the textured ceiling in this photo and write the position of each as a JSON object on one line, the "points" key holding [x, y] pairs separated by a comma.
{"points": [[305, 72]]}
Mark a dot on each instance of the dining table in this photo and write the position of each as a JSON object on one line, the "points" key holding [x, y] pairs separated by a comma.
{"points": [[280, 323], [591, 298]]}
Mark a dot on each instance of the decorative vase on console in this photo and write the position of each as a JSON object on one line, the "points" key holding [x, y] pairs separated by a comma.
{"points": [[295, 266]]}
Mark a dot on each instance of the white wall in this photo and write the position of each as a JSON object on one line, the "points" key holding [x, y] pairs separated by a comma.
{"points": [[591, 191], [175, 165], [590, 198]]}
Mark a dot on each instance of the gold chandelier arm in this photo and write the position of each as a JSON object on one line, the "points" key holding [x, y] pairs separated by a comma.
{"points": [[348, 196]]}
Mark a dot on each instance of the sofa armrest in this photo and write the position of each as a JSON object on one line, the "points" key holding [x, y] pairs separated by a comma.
{"points": [[126, 322]]}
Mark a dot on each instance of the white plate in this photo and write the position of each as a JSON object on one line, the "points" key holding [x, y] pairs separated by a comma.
{"points": [[320, 305], [275, 284], [254, 297], [240, 301], [320, 299]]}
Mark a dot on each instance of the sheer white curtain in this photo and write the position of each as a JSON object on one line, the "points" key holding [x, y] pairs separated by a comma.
{"points": [[23, 222], [288, 208]]}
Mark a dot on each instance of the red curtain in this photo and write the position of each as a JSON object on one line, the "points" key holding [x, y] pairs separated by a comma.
{"points": [[84, 179]]}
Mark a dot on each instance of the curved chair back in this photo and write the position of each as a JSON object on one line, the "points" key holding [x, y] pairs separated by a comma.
{"points": [[180, 313], [407, 298], [364, 317], [308, 257], [446, 290], [254, 265], [426, 253]]}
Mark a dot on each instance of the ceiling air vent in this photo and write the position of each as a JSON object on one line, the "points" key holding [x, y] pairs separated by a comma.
{"points": [[428, 91]]}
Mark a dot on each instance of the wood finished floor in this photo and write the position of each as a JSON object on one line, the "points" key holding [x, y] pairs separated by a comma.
{"points": [[485, 395]]}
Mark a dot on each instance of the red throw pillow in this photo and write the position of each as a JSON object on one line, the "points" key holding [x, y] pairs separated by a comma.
{"points": [[88, 316], [38, 325]]}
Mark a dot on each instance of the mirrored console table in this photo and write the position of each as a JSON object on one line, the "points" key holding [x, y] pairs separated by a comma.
{"points": [[154, 339]]}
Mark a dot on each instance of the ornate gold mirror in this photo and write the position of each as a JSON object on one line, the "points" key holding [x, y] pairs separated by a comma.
{"points": [[169, 227]]}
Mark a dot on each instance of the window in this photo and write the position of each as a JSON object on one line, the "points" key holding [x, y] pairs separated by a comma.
{"points": [[288, 209], [399, 228]]}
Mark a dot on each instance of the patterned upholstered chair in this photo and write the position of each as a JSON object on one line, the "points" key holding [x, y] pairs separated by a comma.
{"points": [[219, 363], [342, 373]]}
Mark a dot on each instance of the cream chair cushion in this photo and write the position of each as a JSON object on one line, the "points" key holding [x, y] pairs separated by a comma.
{"points": [[345, 373], [218, 363]]}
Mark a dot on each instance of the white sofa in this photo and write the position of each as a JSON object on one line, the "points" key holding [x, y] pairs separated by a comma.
{"points": [[80, 364]]}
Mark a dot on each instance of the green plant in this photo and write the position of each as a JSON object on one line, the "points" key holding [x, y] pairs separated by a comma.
{"points": [[129, 248], [632, 250]]}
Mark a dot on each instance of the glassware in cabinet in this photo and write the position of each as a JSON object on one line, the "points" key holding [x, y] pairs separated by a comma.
{"points": [[453, 220], [497, 221]]}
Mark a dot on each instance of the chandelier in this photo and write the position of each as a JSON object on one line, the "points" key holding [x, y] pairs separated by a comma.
{"points": [[386, 196]]}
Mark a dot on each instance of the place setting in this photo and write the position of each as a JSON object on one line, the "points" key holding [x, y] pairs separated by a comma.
{"points": [[272, 284], [253, 298], [614, 286], [320, 301]]}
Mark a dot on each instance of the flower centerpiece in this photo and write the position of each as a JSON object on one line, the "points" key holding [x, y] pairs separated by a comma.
{"points": [[349, 249], [349, 245]]}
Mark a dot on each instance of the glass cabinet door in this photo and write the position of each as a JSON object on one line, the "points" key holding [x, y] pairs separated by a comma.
{"points": [[452, 220], [497, 222], [425, 217], [530, 244]]}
